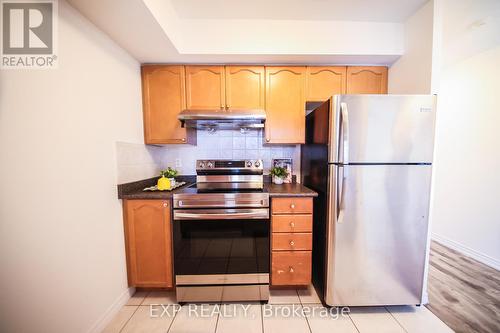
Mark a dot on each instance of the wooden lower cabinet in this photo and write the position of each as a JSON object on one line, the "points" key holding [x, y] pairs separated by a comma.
{"points": [[148, 243], [291, 268], [292, 206], [292, 223], [291, 241]]}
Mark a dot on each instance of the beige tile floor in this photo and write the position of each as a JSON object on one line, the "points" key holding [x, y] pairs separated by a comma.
{"points": [[142, 315]]}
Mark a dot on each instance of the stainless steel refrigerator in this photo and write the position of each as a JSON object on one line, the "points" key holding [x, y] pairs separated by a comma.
{"points": [[370, 159]]}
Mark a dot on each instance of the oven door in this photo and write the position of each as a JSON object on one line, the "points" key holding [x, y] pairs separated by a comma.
{"points": [[221, 246], [221, 254]]}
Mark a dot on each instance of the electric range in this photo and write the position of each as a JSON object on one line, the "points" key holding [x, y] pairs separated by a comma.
{"points": [[221, 234]]}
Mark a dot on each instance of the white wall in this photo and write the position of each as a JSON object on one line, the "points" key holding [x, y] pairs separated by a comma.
{"points": [[466, 199], [62, 252], [411, 74]]}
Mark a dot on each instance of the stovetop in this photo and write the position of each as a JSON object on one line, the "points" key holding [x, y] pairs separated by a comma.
{"points": [[198, 188]]}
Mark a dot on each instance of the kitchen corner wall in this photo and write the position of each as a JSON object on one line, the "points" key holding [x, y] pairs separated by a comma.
{"points": [[138, 161], [411, 74], [63, 266]]}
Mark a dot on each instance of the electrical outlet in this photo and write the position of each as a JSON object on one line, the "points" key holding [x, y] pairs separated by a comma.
{"points": [[178, 163]]}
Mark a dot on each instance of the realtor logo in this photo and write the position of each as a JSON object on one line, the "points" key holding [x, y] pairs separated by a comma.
{"points": [[28, 34]]}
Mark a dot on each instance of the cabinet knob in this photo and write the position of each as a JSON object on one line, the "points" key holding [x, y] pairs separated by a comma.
{"points": [[292, 206], [291, 270], [165, 204], [267, 139], [183, 139], [292, 243], [292, 224]]}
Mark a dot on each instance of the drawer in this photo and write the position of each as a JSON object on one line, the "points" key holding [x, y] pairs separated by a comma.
{"points": [[291, 241], [290, 268], [291, 223], [292, 205]]}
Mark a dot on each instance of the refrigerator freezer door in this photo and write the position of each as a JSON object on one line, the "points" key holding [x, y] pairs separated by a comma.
{"points": [[382, 129], [376, 234]]}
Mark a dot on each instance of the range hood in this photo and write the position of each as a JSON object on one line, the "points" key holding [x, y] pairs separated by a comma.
{"points": [[213, 120]]}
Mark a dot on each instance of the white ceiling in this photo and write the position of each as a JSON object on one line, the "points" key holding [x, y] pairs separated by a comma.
{"points": [[258, 31], [322, 10]]}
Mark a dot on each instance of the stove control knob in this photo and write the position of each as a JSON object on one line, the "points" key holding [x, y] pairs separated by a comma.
{"points": [[201, 165], [249, 164], [210, 165], [257, 164]]}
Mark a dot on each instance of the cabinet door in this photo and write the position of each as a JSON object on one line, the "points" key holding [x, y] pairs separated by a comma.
{"points": [[245, 87], [367, 80], [324, 82], [164, 96], [285, 105], [148, 238], [205, 87]]}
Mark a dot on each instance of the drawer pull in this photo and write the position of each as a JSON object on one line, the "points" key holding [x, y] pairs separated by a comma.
{"points": [[165, 204], [291, 270], [292, 224], [292, 243], [292, 206]]}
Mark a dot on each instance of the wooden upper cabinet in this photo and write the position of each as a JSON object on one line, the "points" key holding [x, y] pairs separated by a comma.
{"points": [[164, 96], [245, 87], [205, 87], [367, 80], [285, 105], [324, 82], [148, 241]]}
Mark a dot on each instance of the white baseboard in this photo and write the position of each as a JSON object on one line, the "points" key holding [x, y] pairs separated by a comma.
{"points": [[425, 298], [111, 312], [483, 258]]}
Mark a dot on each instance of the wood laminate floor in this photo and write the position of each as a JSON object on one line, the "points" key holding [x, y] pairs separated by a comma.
{"points": [[463, 293]]}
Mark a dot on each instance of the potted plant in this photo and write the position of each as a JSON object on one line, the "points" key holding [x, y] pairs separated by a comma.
{"points": [[170, 174], [278, 174]]}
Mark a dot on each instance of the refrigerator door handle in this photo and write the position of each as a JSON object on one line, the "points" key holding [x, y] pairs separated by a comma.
{"points": [[341, 195], [345, 132]]}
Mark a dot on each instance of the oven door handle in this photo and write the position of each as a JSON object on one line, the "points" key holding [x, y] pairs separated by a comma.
{"points": [[221, 214]]}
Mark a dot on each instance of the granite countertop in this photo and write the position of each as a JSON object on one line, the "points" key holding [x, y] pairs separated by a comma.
{"points": [[289, 190], [134, 190]]}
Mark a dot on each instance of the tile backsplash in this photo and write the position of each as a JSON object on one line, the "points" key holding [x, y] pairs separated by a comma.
{"points": [[135, 161], [138, 161]]}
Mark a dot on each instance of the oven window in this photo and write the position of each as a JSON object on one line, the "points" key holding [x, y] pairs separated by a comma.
{"points": [[221, 247]]}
